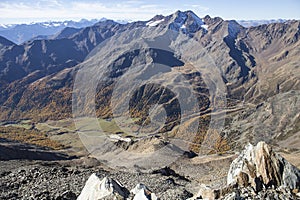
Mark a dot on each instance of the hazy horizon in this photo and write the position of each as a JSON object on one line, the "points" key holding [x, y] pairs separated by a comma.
{"points": [[133, 10]]}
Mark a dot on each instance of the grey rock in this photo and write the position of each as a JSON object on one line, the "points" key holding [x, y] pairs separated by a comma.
{"points": [[264, 168]]}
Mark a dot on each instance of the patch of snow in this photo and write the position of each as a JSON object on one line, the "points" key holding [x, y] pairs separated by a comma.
{"points": [[46, 24], [154, 23], [204, 26], [117, 138], [56, 24], [183, 26], [53, 24], [3, 26]]}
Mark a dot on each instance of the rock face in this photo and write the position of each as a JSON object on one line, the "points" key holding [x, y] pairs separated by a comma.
{"points": [[99, 189], [260, 167], [257, 173]]}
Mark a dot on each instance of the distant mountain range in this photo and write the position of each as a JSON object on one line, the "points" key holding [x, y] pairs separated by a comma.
{"points": [[259, 66], [249, 23], [19, 33]]}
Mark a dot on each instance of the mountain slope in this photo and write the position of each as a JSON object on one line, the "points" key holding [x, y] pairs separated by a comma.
{"points": [[53, 55], [259, 67], [4, 42]]}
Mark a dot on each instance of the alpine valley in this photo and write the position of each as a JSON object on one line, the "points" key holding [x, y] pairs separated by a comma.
{"points": [[256, 67]]}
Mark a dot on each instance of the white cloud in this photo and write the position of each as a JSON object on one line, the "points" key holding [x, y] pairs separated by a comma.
{"points": [[82, 7], [149, 6], [134, 2], [200, 7], [197, 7], [40, 10], [54, 10]]}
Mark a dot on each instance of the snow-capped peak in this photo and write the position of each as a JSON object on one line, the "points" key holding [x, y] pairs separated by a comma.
{"points": [[6, 26], [154, 23], [187, 21], [3, 25]]}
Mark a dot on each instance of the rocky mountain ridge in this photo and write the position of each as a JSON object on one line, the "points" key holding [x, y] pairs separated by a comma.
{"points": [[259, 67]]}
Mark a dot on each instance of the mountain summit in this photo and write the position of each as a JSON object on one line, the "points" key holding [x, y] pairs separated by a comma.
{"points": [[187, 22]]}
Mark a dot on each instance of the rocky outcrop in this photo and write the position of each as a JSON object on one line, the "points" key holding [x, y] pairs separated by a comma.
{"points": [[260, 167], [257, 173], [99, 189], [141, 192], [108, 188], [280, 193], [64, 180], [209, 193]]}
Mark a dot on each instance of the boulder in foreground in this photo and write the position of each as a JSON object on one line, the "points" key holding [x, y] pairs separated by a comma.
{"points": [[108, 188], [141, 192], [260, 167], [95, 189], [257, 173]]}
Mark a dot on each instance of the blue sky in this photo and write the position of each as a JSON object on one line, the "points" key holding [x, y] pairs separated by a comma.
{"points": [[26, 11]]}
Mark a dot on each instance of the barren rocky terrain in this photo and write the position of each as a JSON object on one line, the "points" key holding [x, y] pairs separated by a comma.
{"points": [[190, 178]]}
